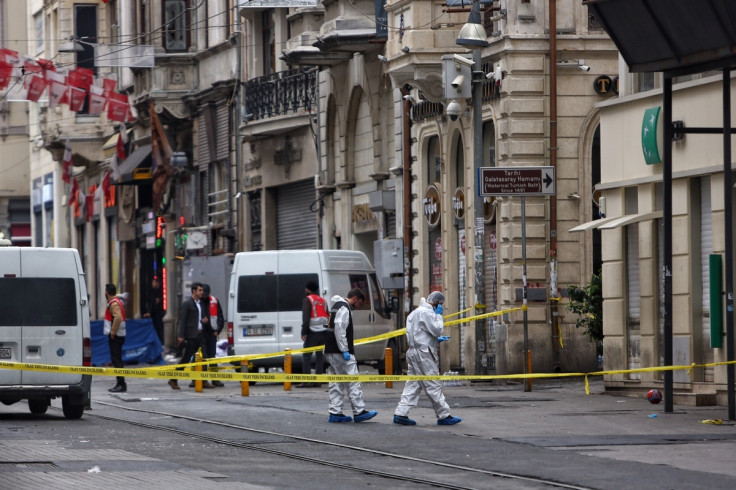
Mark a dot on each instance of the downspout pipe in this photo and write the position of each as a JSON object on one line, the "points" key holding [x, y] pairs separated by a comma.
{"points": [[236, 126], [553, 289], [408, 232]]}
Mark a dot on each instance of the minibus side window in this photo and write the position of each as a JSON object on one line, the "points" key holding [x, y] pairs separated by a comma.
{"points": [[291, 290], [360, 281], [379, 304], [38, 302], [257, 293]]}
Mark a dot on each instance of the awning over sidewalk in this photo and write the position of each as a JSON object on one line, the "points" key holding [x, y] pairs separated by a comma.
{"points": [[630, 220], [590, 225], [136, 169], [617, 221]]}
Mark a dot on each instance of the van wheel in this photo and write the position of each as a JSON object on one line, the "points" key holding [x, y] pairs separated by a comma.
{"points": [[38, 407], [73, 409]]}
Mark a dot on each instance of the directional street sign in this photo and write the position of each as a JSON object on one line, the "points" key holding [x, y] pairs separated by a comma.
{"points": [[516, 181]]}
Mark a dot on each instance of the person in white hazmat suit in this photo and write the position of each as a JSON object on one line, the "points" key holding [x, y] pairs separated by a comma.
{"points": [[340, 353], [424, 328]]}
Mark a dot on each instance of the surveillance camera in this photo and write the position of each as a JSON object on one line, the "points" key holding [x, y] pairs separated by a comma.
{"points": [[454, 110], [382, 58], [583, 68], [458, 81]]}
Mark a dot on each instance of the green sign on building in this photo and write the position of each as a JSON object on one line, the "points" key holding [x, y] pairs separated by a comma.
{"points": [[649, 145]]}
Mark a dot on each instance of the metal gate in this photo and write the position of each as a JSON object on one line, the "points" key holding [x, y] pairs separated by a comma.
{"points": [[296, 224]]}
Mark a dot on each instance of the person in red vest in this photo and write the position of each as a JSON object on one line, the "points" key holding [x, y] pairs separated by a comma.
{"points": [[114, 328], [217, 323], [314, 331]]}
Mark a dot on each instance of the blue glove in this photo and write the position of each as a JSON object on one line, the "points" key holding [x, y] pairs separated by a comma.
{"points": [[443, 337], [346, 356], [439, 309]]}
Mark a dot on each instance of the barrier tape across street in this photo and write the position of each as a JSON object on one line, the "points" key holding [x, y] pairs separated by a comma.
{"points": [[178, 372]]}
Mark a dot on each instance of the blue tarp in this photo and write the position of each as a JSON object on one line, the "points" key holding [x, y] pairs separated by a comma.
{"points": [[141, 343]]}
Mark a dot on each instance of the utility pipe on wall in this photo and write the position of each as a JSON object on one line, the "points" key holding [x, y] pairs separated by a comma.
{"points": [[406, 132], [553, 290]]}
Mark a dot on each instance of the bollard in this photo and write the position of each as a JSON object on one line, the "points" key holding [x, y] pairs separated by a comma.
{"points": [[198, 367], [388, 365], [528, 364], [244, 385], [287, 368]]}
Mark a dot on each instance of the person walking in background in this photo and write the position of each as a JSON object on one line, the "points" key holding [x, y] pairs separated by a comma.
{"points": [[155, 308], [340, 353], [314, 330], [193, 326], [217, 323], [424, 328], [114, 328]]}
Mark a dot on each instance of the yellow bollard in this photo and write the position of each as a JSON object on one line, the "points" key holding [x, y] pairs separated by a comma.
{"points": [[198, 367], [287, 368], [244, 385], [388, 365]]}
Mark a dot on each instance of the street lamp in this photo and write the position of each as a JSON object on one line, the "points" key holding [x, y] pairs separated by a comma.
{"points": [[473, 36]]}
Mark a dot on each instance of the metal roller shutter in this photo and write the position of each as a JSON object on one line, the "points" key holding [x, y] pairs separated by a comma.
{"points": [[203, 150], [634, 299], [706, 248], [296, 224], [223, 132]]}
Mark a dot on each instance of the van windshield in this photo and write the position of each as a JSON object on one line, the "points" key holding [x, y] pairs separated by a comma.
{"points": [[272, 292], [38, 302]]}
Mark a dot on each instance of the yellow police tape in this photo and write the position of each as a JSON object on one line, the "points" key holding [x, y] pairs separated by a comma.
{"points": [[171, 372], [178, 371]]}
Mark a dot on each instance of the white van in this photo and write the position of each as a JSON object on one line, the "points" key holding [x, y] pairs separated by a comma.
{"points": [[45, 320], [265, 301]]}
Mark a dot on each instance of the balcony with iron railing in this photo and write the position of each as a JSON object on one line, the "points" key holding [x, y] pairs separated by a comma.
{"points": [[279, 102]]}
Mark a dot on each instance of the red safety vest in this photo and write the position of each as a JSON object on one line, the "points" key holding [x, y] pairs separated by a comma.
{"points": [[107, 324], [213, 307], [319, 316], [108, 315]]}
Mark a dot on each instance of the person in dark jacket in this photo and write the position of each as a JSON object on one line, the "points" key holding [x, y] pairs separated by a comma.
{"points": [[217, 323], [194, 320], [155, 308]]}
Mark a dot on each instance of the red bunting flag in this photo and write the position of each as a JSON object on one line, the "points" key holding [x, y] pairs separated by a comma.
{"points": [[117, 110], [97, 100], [73, 192], [66, 174], [6, 71], [76, 98], [108, 85], [57, 89], [36, 87]]}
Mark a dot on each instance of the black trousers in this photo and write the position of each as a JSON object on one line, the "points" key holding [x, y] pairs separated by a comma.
{"points": [[116, 354], [314, 339], [190, 348]]}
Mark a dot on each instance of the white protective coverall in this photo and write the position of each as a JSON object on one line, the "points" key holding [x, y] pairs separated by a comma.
{"points": [[338, 365], [423, 326]]}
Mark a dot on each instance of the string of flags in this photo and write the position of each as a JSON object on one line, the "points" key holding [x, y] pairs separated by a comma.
{"points": [[25, 78]]}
